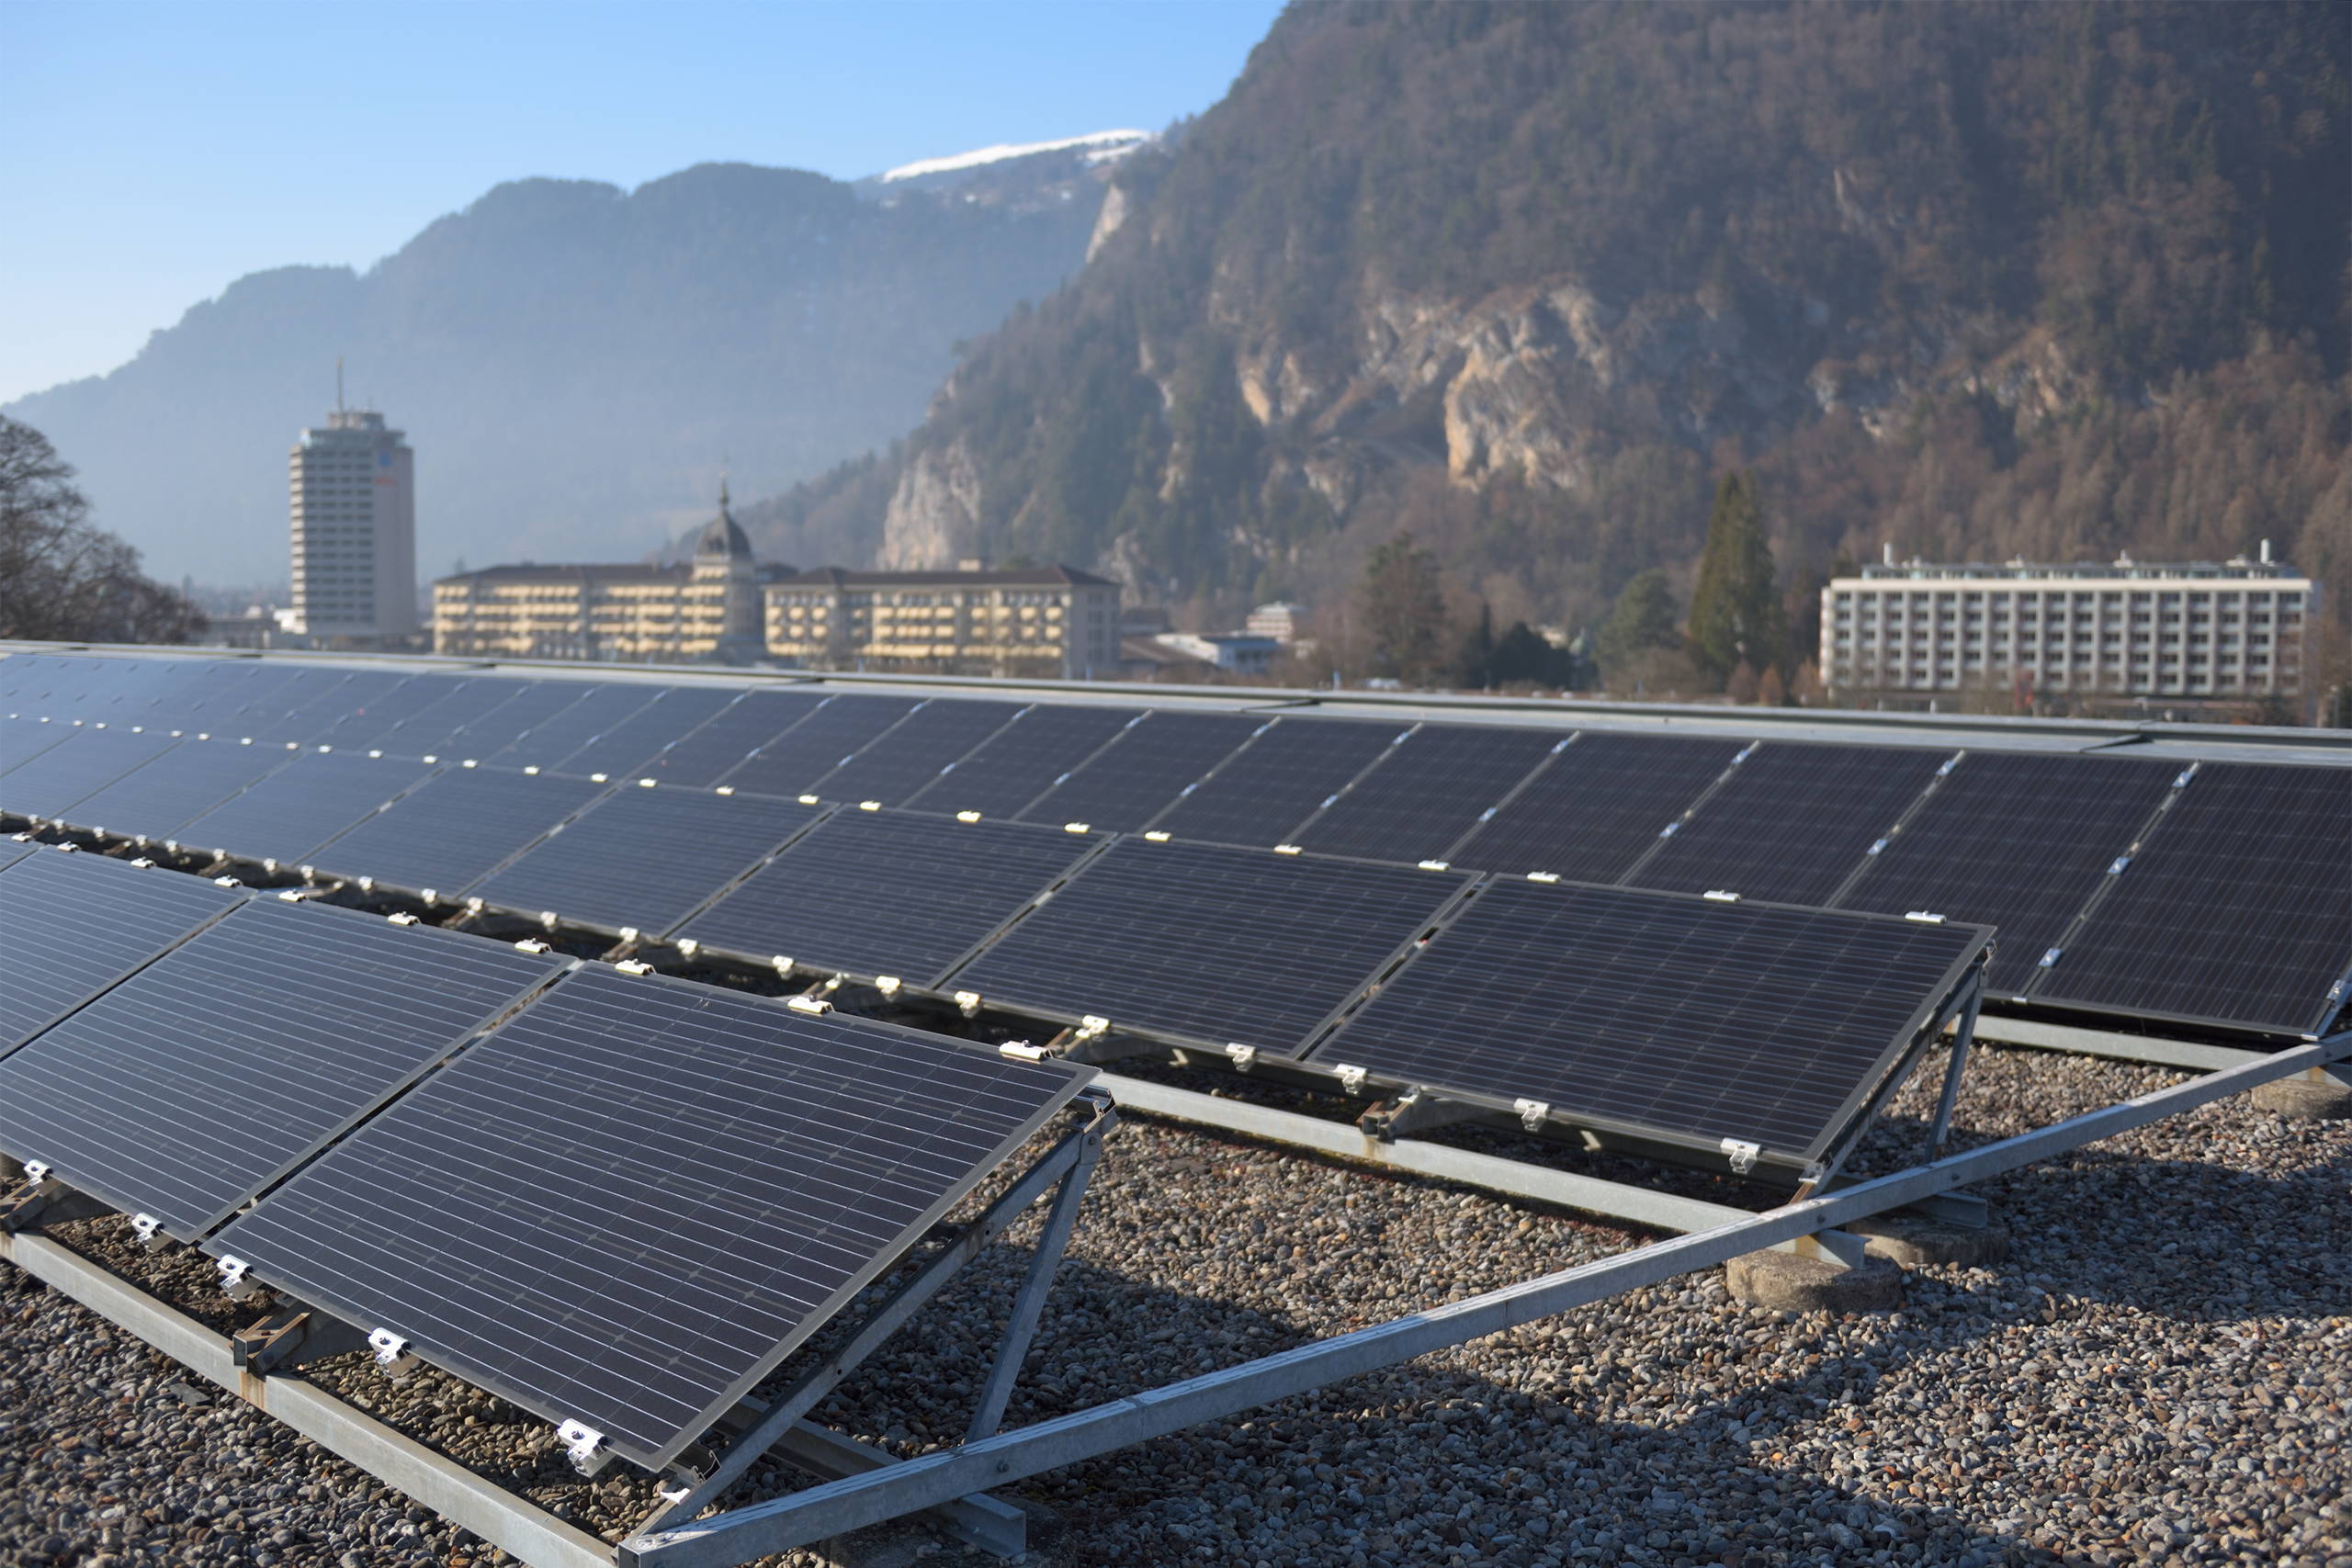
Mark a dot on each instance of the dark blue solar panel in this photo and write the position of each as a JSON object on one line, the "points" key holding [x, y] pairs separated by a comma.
{"points": [[1423, 795], [1598, 807], [212, 1071], [872, 892], [791, 763], [455, 828], [1273, 784], [912, 752], [183, 784], [1022, 760], [709, 753], [1122, 787], [1202, 942], [77, 923], [632, 1201], [47, 784], [645, 859], [285, 817], [1701, 1020]]}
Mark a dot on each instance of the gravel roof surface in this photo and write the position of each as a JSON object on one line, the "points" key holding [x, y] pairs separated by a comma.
{"points": [[2160, 1373]]}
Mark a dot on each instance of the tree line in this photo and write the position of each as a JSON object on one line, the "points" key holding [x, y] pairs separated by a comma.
{"points": [[61, 577]]}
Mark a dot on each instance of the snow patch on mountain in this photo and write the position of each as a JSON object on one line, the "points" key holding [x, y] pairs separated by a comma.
{"points": [[1099, 146]]}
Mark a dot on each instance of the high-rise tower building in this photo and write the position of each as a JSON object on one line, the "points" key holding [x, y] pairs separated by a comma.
{"points": [[354, 486]]}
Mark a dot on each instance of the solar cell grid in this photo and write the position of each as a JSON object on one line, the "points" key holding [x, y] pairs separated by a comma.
{"points": [[912, 753], [454, 828], [46, 785], [1699, 1020], [175, 788], [645, 858], [1426, 793], [1138, 775], [77, 923], [624, 751], [199, 1080], [1022, 760], [539, 703], [2017, 841], [2237, 910], [317, 707], [704, 757], [23, 739], [887, 892], [1792, 822], [1598, 807], [643, 1194], [1275, 783], [363, 728], [286, 816], [598, 709], [16, 849], [796, 759], [1207, 943], [425, 731]]}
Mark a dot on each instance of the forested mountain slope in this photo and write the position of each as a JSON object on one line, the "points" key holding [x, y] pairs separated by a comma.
{"points": [[1979, 279]]}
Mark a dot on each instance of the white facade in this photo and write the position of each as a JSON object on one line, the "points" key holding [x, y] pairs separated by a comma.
{"points": [[354, 486], [2202, 630], [1241, 652], [1281, 621]]}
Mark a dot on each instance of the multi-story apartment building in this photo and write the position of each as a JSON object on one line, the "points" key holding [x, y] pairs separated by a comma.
{"points": [[354, 485], [2233, 631], [1044, 621], [705, 610]]}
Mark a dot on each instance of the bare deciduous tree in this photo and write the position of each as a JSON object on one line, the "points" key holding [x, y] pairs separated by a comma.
{"points": [[60, 576]]}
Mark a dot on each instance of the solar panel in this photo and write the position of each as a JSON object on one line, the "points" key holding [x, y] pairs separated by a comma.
{"points": [[597, 710], [644, 858], [2237, 910], [912, 753], [1427, 792], [1791, 823], [1022, 760], [454, 828], [635, 1198], [1207, 943], [1132, 779], [1675, 1015], [285, 817], [25, 737], [319, 707], [46, 785], [1597, 807], [424, 733], [212, 1072], [1272, 785], [2016, 840], [817, 745], [13, 849], [872, 893], [538, 703], [157, 797], [703, 758], [77, 923], [364, 727], [623, 751]]}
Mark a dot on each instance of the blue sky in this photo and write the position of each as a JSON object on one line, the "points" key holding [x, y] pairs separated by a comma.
{"points": [[155, 152]]}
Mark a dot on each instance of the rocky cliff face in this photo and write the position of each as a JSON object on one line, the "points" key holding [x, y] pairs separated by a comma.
{"points": [[1978, 279]]}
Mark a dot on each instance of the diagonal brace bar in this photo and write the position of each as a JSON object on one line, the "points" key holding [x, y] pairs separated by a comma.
{"points": [[1022, 1326], [903, 1303], [1962, 1037]]}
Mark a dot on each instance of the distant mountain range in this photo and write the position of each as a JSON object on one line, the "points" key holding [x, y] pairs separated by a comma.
{"points": [[575, 363], [1976, 280]]}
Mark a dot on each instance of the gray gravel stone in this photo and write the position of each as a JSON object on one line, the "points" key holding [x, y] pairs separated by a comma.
{"points": [[2160, 1373]]}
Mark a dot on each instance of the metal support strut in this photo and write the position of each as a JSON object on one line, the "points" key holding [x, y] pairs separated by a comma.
{"points": [[1069, 1164]]}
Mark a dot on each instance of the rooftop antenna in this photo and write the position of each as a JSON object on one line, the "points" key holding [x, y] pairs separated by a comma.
{"points": [[338, 383]]}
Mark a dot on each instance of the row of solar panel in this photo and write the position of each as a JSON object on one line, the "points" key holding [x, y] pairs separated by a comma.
{"points": [[622, 1204], [2238, 913], [1193, 943]]}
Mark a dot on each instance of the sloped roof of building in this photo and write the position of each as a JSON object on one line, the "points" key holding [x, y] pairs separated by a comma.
{"points": [[582, 573], [1000, 577]]}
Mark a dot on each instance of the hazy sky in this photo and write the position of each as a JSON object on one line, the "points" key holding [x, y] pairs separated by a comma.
{"points": [[152, 153]]}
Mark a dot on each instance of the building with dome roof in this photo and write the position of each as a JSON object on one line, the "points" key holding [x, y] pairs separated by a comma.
{"points": [[708, 609]]}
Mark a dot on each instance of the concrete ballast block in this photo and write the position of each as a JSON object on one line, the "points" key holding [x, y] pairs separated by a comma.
{"points": [[1783, 1281]]}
